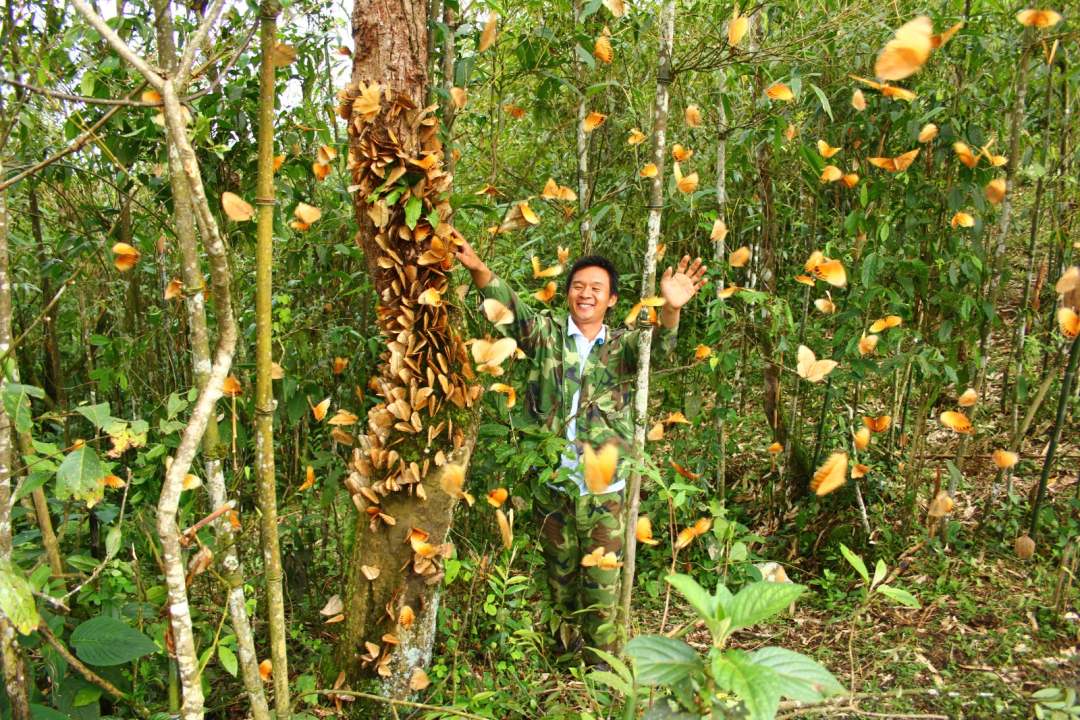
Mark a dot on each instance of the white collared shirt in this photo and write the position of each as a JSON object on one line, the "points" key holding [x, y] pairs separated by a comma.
{"points": [[584, 346]]}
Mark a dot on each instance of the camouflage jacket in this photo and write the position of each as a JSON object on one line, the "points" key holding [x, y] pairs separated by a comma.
{"points": [[605, 409]]}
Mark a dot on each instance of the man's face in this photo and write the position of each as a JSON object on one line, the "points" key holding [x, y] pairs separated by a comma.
{"points": [[590, 295]]}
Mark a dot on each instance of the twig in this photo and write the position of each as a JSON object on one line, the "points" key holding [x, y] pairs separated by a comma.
{"points": [[108, 557], [187, 535], [76, 144], [183, 73], [91, 676], [78, 98], [392, 702], [44, 312]]}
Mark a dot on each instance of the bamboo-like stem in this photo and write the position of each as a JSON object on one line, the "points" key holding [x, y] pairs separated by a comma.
{"points": [[648, 283], [1017, 355], [719, 251], [998, 253], [449, 110], [1059, 423], [264, 392], [14, 671]]}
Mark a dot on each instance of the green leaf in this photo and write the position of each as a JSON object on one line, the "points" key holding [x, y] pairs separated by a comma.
{"points": [[85, 696], [611, 680], [17, 404], [412, 211], [824, 100], [79, 476], [615, 664], [880, 571], [96, 414], [104, 640], [32, 482], [112, 541], [228, 659], [756, 685], [585, 56], [901, 596], [698, 597], [662, 660], [16, 598], [43, 712], [856, 562], [760, 600], [801, 678]]}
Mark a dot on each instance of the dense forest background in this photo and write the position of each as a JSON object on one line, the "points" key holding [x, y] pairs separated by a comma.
{"points": [[244, 384]]}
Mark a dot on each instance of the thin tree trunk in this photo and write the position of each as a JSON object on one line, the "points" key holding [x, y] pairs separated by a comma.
{"points": [[1059, 423], [14, 671], [264, 391], [719, 251], [449, 110], [585, 226], [400, 481], [648, 284], [195, 304]]}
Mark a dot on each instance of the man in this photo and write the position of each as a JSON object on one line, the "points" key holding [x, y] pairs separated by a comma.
{"points": [[580, 385]]}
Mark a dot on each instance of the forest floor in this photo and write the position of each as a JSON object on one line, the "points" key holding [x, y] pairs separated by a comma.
{"points": [[985, 638]]}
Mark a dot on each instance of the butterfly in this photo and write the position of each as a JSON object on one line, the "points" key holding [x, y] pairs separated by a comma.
{"points": [[928, 132], [907, 51], [490, 355], [1005, 459], [600, 467], [877, 424], [823, 268], [831, 174], [780, 91], [956, 421], [497, 496], [508, 391], [968, 398], [553, 191], [600, 559], [895, 164], [550, 272], [889, 321], [643, 531], [810, 368], [740, 257], [497, 313], [862, 438], [1068, 322], [1038, 18], [889, 91], [826, 150], [831, 475]]}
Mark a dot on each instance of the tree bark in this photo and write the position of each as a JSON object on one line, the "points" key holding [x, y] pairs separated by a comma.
{"points": [[648, 285], [11, 656], [264, 391], [425, 419], [199, 338]]}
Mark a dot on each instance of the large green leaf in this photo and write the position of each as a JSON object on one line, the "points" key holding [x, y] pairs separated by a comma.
{"points": [[801, 678], [105, 640], [17, 404], [698, 597], [756, 685], [96, 414], [662, 660], [760, 600], [16, 598], [79, 476], [901, 596]]}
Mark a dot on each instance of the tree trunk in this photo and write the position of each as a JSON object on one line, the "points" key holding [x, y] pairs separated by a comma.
{"points": [[195, 304], [586, 229], [648, 284], [425, 419], [264, 391], [10, 655]]}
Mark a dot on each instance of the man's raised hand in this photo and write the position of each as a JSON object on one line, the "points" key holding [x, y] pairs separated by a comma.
{"points": [[467, 256], [680, 284]]}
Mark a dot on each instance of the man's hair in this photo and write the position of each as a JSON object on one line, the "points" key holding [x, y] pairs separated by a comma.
{"points": [[595, 261]]}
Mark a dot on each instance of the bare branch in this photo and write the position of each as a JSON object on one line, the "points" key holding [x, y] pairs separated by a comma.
{"points": [[122, 48], [183, 73], [77, 98]]}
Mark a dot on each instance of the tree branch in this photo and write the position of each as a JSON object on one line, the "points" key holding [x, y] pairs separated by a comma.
{"points": [[77, 98], [122, 48], [183, 73], [76, 144]]}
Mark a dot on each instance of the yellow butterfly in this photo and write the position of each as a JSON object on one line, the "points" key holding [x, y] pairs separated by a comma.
{"points": [[599, 467], [810, 368], [831, 475]]}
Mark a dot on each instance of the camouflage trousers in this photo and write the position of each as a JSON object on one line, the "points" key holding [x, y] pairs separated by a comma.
{"points": [[584, 598]]}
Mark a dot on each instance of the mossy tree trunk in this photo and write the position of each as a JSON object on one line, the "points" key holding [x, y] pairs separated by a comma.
{"points": [[424, 421]]}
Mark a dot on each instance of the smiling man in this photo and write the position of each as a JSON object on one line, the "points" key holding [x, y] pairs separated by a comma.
{"points": [[580, 385]]}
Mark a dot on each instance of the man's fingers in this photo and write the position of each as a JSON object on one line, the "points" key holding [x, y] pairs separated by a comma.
{"points": [[667, 273], [683, 263]]}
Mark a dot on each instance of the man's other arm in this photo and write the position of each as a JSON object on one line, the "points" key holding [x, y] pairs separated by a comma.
{"points": [[526, 327]]}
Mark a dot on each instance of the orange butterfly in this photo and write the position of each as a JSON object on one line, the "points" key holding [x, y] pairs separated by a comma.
{"points": [[831, 475], [895, 164]]}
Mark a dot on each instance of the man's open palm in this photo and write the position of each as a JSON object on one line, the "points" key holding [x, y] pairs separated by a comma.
{"points": [[680, 284]]}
